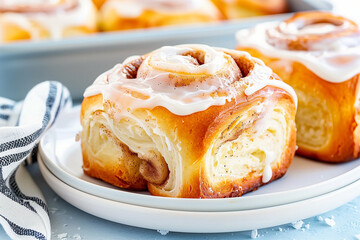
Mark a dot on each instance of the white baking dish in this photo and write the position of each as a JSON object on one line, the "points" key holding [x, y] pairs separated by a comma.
{"points": [[77, 62]]}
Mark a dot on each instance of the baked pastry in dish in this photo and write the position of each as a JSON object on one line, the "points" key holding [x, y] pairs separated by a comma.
{"points": [[189, 121], [99, 3], [132, 14], [318, 54], [43, 19], [233, 9]]}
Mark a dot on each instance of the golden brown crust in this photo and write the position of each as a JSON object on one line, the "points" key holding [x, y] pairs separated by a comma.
{"points": [[121, 170], [252, 181], [23, 24], [44, 7], [115, 176], [99, 3], [12, 32], [111, 20], [250, 8], [204, 125], [339, 99]]}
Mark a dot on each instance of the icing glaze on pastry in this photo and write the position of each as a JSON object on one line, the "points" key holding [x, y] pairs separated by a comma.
{"points": [[166, 78], [35, 5], [134, 8], [329, 48], [54, 16]]}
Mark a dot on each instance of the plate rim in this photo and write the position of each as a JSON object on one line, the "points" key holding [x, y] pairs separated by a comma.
{"points": [[199, 205], [199, 222]]}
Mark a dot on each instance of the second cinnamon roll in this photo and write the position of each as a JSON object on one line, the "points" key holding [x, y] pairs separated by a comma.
{"points": [[318, 54]]}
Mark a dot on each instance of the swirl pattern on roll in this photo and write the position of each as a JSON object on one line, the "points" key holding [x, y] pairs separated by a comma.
{"points": [[327, 44], [314, 32], [184, 79], [318, 54]]}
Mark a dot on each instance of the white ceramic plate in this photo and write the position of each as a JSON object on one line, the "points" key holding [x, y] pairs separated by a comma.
{"points": [[305, 178], [199, 222]]}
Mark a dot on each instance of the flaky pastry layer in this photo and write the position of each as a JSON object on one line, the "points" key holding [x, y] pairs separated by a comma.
{"points": [[327, 118]]}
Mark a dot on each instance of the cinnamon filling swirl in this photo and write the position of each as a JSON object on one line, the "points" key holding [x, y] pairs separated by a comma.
{"points": [[184, 79], [312, 32]]}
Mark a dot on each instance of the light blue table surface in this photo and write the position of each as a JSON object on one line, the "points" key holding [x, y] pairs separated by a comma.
{"points": [[79, 225]]}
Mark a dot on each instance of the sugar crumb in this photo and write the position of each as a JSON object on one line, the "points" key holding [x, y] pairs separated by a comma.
{"points": [[62, 236], [254, 234], [76, 237], [297, 225], [53, 210], [330, 222], [163, 232]]}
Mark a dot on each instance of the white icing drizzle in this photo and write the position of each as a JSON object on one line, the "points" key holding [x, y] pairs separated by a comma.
{"points": [[134, 8], [26, 3], [261, 83], [166, 78], [325, 57], [313, 29], [266, 109], [261, 125], [267, 173], [83, 14]]}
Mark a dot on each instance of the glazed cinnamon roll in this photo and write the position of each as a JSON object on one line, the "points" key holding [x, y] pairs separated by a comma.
{"points": [[132, 14], [188, 121], [43, 19], [318, 54], [234, 9]]}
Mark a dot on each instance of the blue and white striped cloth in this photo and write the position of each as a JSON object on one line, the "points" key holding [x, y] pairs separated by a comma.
{"points": [[23, 211]]}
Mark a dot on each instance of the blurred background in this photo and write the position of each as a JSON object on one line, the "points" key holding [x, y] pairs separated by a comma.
{"points": [[77, 62]]}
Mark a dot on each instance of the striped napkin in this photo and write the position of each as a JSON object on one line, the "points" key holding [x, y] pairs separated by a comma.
{"points": [[23, 211]]}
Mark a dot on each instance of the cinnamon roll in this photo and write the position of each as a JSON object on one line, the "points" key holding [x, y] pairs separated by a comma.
{"points": [[43, 19], [234, 9], [188, 121], [318, 54], [132, 14]]}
